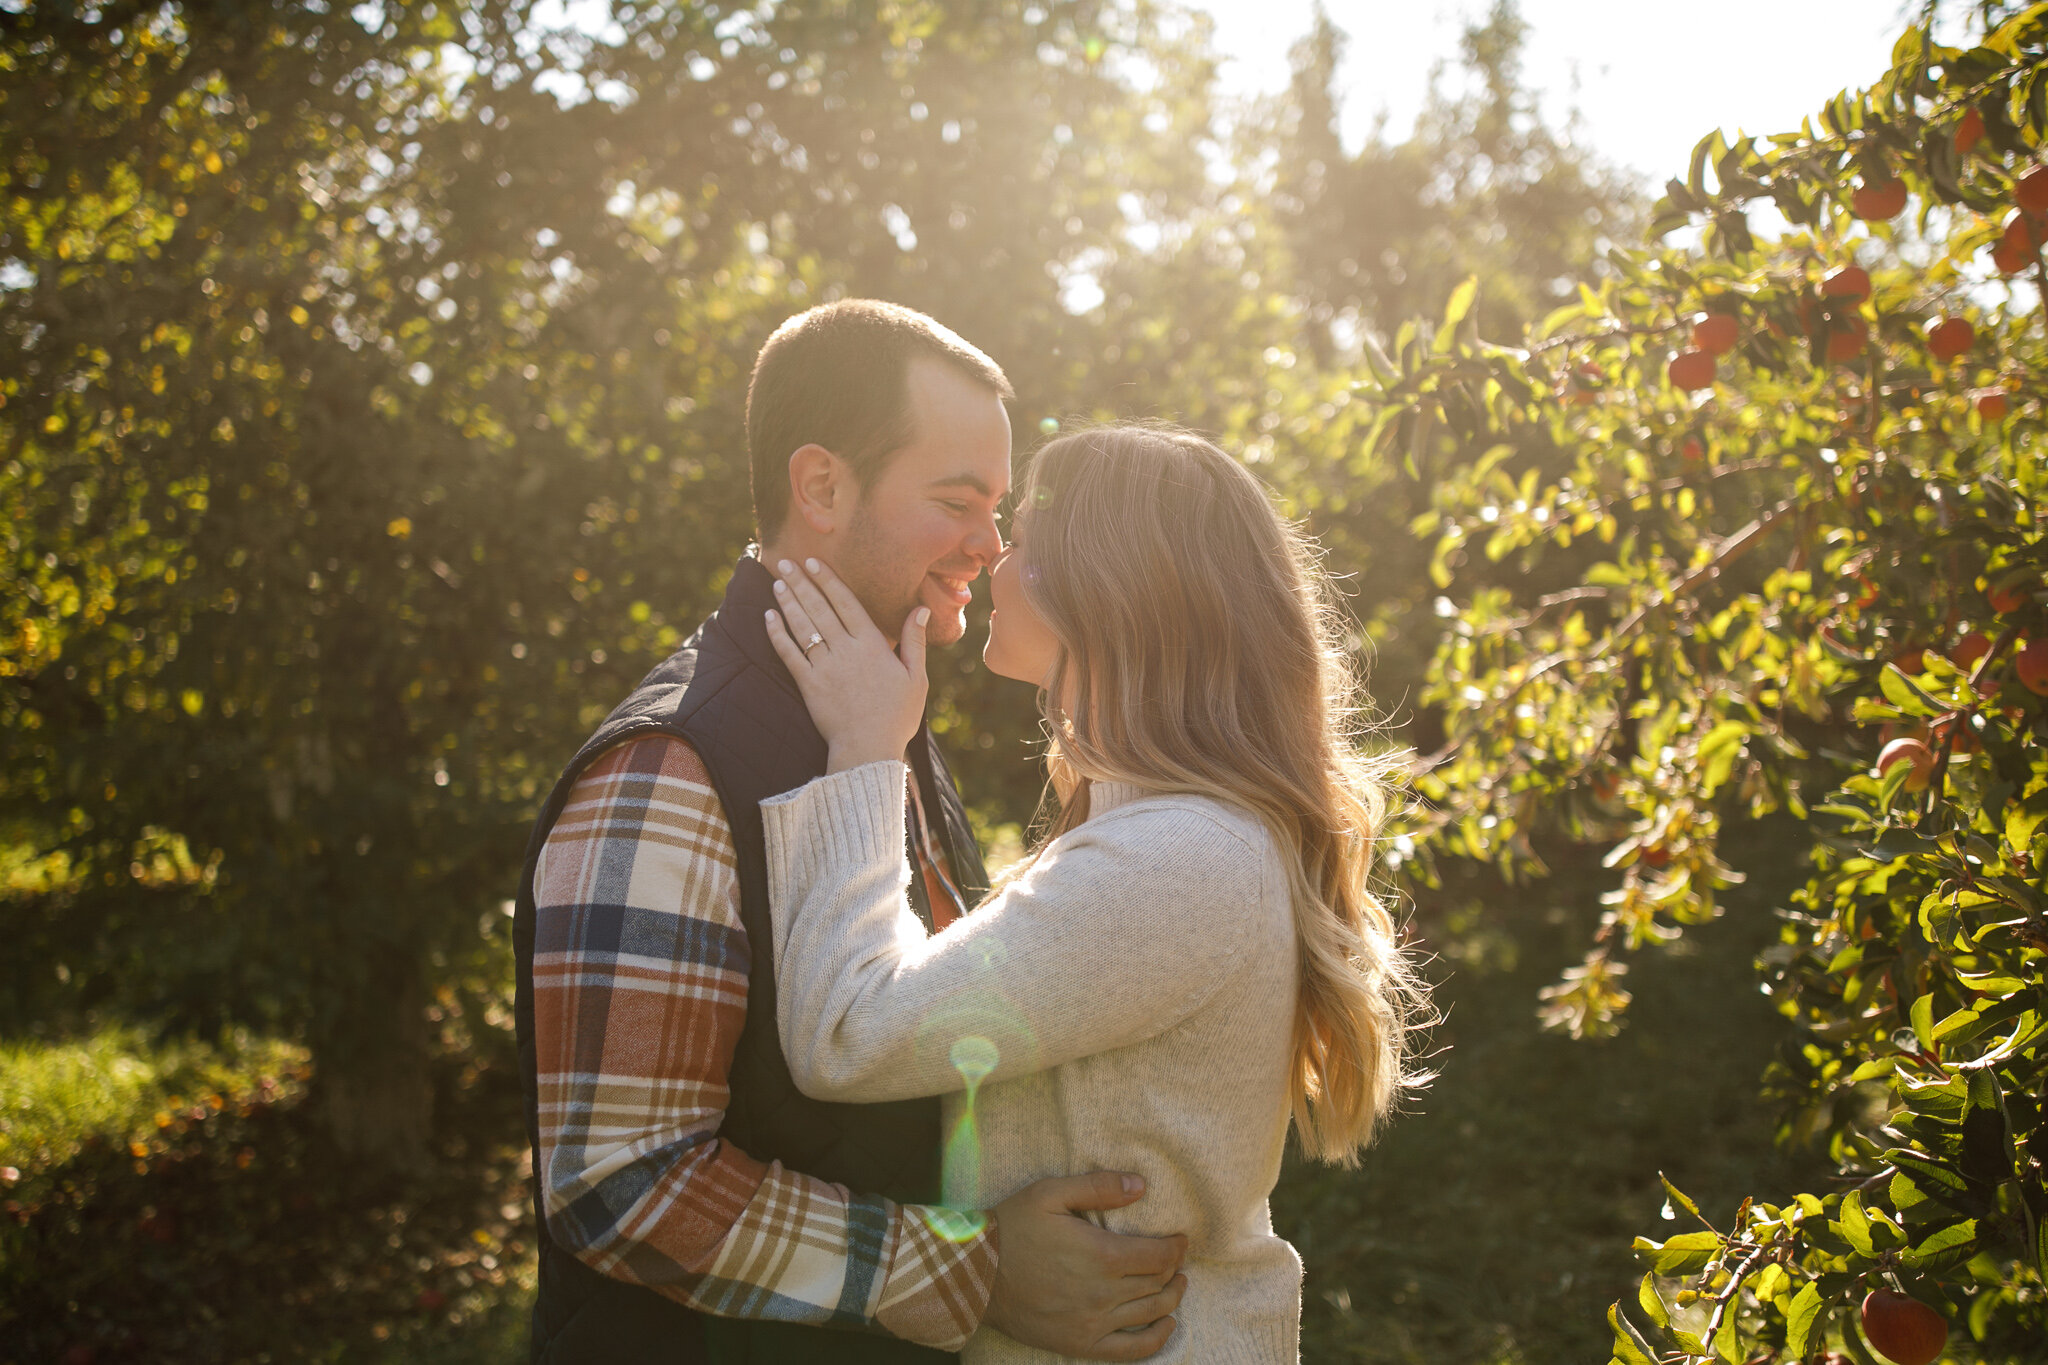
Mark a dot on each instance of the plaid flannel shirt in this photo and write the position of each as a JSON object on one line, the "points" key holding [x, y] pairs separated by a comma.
{"points": [[640, 990]]}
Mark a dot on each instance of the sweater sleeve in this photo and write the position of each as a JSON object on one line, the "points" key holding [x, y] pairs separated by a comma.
{"points": [[1120, 930]]}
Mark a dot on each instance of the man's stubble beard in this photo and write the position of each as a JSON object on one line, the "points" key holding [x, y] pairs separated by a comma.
{"points": [[867, 569]]}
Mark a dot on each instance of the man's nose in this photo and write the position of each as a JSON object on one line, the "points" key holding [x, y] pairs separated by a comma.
{"points": [[985, 542]]}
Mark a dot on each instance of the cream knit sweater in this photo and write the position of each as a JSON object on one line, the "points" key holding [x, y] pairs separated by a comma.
{"points": [[1126, 1005]]}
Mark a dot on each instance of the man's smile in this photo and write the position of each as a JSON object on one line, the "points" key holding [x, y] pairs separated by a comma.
{"points": [[954, 586]]}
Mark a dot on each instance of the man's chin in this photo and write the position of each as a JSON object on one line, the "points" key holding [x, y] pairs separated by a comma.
{"points": [[949, 615], [947, 626]]}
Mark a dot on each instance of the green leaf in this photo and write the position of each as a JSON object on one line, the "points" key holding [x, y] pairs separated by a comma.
{"points": [[1681, 1255], [1988, 1153], [1922, 1015], [1954, 1237], [1708, 148], [1652, 1302], [1954, 1023], [1910, 48], [1800, 1317], [1557, 318], [1854, 1225], [1461, 302], [2023, 819], [1905, 694], [1727, 1344], [1718, 753], [1679, 1197], [1629, 1343]]}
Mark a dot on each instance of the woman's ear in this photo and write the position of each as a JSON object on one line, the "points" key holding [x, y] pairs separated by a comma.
{"points": [[819, 482]]}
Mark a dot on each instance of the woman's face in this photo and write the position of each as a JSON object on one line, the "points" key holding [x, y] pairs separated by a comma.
{"points": [[1020, 644]]}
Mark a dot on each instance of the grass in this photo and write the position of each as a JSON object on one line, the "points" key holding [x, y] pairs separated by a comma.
{"points": [[117, 1085], [183, 1206], [172, 1208]]}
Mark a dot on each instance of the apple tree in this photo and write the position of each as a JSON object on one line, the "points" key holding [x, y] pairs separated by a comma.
{"points": [[1753, 533]]}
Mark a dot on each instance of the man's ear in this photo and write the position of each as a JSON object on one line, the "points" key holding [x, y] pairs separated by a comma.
{"points": [[820, 486]]}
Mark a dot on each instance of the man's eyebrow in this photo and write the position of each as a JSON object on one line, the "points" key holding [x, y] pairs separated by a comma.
{"points": [[974, 481]]}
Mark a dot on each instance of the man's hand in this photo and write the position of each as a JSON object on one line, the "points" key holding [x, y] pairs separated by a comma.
{"points": [[1065, 1285]]}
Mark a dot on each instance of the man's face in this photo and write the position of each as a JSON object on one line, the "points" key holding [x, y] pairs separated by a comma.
{"points": [[926, 526]]}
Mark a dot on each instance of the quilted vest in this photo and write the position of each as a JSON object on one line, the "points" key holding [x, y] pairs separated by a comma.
{"points": [[727, 694]]}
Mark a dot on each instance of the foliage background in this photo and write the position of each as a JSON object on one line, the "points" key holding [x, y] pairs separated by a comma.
{"points": [[370, 422]]}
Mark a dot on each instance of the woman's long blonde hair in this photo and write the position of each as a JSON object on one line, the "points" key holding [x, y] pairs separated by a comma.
{"points": [[1199, 647]]}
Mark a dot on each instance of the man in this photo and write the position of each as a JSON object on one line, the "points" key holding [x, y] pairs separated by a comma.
{"points": [[694, 1205]]}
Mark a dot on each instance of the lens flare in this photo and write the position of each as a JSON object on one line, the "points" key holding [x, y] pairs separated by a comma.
{"points": [[974, 1057]]}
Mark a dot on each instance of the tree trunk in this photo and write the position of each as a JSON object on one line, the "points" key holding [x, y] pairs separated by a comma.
{"points": [[372, 1088]]}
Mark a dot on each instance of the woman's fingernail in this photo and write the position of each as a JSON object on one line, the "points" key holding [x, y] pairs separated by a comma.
{"points": [[1133, 1184], [768, 616], [783, 566], [811, 564], [924, 614], [780, 587]]}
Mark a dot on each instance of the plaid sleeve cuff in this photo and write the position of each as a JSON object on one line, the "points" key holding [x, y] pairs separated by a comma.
{"points": [[940, 1277]]}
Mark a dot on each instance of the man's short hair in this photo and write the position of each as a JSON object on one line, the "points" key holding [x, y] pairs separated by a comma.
{"points": [[838, 376]]}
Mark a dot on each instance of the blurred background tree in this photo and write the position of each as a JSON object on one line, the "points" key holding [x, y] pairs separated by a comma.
{"points": [[374, 416], [373, 419]]}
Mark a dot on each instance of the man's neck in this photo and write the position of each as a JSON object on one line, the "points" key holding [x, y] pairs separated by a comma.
{"points": [[795, 549]]}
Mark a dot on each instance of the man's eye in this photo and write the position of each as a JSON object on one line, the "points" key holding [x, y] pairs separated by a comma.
{"points": [[958, 509]]}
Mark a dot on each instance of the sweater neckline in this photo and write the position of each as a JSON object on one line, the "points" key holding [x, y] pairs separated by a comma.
{"points": [[1104, 797]]}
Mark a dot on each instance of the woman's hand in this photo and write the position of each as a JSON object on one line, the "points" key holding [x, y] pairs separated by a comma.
{"points": [[866, 699]]}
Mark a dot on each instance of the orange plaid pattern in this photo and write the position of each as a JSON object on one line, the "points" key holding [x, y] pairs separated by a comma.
{"points": [[640, 991]]}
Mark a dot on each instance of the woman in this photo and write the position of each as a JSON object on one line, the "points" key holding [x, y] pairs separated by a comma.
{"points": [[1192, 957]]}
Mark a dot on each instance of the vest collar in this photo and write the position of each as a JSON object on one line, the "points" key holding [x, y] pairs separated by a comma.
{"points": [[742, 616]]}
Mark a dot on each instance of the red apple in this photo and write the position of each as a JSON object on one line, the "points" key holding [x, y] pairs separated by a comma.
{"points": [[1846, 338], [1913, 751], [2004, 600], [1850, 282], [1691, 450], [1992, 404], [2022, 232], [1969, 131], [2031, 193], [1954, 730], [1583, 385], [1692, 370], [2016, 246], [1950, 337], [1905, 1331], [2032, 667], [1966, 651], [1716, 333], [1879, 199]]}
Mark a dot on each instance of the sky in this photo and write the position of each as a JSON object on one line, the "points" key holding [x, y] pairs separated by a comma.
{"points": [[1649, 77]]}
